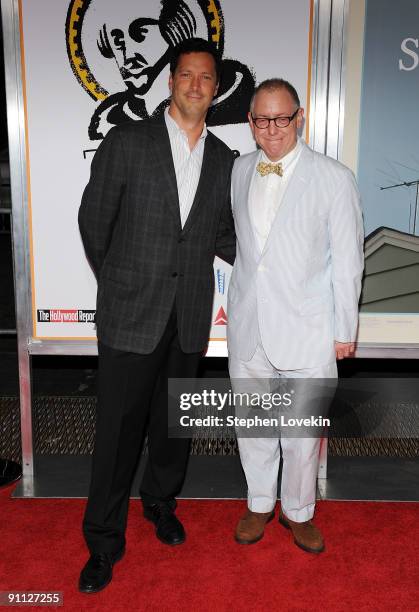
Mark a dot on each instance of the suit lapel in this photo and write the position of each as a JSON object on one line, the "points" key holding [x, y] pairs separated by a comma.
{"points": [[297, 185], [249, 175], [164, 160], [205, 183]]}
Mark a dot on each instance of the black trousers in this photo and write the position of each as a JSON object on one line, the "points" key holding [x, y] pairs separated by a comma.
{"points": [[133, 392]]}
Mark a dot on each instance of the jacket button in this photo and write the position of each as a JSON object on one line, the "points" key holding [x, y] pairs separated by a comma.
{"points": [[174, 274], [181, 240]]}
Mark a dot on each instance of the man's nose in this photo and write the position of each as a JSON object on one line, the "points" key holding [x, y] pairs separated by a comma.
{"points": [[132, 52], [195, 82], [272, 129]]}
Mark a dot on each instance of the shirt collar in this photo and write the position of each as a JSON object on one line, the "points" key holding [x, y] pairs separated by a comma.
{"points": [[287, 160], [174, 128]]}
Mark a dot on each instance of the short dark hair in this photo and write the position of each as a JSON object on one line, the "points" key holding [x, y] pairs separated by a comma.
{"points": [[195, 45], [274, 85]]}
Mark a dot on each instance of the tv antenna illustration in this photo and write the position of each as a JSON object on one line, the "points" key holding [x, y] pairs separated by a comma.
{"points": [[409, 184]]}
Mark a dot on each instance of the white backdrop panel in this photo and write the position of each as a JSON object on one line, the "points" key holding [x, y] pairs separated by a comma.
{"points": [[270, 38]]}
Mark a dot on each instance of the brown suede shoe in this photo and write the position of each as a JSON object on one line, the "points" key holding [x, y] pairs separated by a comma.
{"points": [[306, 535], [251, 526]]}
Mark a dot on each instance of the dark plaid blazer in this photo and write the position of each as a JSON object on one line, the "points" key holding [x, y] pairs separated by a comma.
{"points": [[144, 261]]}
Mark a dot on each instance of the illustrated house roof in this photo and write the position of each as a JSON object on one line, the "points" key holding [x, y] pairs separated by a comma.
{"points": [[391, 280]]}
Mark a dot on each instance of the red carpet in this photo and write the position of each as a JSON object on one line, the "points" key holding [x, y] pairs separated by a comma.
{"points": [[371, 561]]}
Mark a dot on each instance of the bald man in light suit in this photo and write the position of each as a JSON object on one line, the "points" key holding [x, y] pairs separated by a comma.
{"points": [[293, 295]]}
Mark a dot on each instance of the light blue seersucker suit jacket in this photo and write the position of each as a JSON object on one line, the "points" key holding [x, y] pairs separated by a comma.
{"points": [[302, 290]]}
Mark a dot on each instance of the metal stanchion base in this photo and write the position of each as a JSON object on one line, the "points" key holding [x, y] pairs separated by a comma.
{"points": [[10, 471]]}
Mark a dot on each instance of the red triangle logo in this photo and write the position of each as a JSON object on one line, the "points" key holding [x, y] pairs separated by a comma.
{"points": [[221, 318]]}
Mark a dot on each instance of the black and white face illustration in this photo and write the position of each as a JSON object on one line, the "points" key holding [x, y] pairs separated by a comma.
{"points": [[138, 48], [141, 44], [118, 50]]}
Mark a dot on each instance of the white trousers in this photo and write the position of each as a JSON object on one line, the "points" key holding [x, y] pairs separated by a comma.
{"points": [[260, 457]]}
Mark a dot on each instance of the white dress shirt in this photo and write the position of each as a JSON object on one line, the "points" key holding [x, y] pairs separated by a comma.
{"points": [[267, 192], [187, 164]]}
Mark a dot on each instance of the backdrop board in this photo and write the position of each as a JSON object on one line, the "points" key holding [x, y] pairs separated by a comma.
{"points": [[78, 84], [387, 168], [72, 73]]}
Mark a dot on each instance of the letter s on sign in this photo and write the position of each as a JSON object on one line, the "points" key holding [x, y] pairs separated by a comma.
{"points": [[410, 52]]}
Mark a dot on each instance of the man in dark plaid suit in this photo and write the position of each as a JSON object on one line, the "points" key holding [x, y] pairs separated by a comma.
{"points": [[154, 214]]}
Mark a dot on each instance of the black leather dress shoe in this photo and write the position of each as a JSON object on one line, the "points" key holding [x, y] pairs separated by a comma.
{"points": [[97, 573], [169, 529]]}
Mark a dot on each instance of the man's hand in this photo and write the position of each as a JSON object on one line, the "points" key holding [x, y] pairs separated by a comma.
{"points": [[344, 349]]}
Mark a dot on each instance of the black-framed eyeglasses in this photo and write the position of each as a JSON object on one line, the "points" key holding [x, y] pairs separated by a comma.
{"points": [[263, 122]]}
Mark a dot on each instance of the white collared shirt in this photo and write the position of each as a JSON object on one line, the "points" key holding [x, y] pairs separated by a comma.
{"points": [[267, 193], [187, 163]]}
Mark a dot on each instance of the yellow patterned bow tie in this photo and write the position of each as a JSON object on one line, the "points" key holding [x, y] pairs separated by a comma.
{"points": [[263, 168]]}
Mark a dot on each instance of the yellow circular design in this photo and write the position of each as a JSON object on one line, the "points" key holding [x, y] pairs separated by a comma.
{"points": [[74, 25]]}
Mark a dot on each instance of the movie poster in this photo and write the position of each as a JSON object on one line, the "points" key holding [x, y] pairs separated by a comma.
{"points": [[388, 172]]}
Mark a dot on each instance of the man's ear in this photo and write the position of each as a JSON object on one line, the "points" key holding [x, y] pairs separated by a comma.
{"points": [[170, 83], [300, 117], [216, 89], [252, 125]]}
